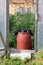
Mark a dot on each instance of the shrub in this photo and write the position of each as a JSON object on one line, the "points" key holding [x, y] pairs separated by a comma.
{"points": [[18, 22]]}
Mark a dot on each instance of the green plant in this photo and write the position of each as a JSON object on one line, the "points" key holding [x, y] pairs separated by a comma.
{"points": [[18, 22], [12, 61], [12, 40], [38, 63], [26, 59], [35, 62], [39, 54]]}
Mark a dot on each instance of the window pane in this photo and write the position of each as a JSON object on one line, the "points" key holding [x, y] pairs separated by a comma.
{"points": [[3, 20]]}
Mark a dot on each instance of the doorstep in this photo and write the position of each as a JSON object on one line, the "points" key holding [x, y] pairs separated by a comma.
{"points": [[21, 53]]}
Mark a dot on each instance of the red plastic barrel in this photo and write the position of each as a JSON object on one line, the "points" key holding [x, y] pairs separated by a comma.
{"points": [[24, 40]]}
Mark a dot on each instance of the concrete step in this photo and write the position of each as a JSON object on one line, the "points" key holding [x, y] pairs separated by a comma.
{"points": [[21, 53]]}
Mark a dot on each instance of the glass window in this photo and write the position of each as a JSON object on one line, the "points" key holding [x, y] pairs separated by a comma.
{"points": [[21, 9], [18, 9], [24, 9], [29, 9]]}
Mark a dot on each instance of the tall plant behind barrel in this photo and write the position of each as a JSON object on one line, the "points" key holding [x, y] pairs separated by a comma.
{"points": [[21, 21]]}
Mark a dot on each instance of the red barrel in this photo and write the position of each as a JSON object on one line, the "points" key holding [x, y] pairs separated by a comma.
{"points": [[24, 40]]}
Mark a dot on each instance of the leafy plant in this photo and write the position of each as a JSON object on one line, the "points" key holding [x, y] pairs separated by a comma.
{"points": [[12, 40], [36, 63], [26, 59], [39, 54], [18, 22], [12, 61], [18, 61]]}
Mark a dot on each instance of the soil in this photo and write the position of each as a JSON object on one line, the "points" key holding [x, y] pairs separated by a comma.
{"points": [[41, 60], [28, 62]]}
